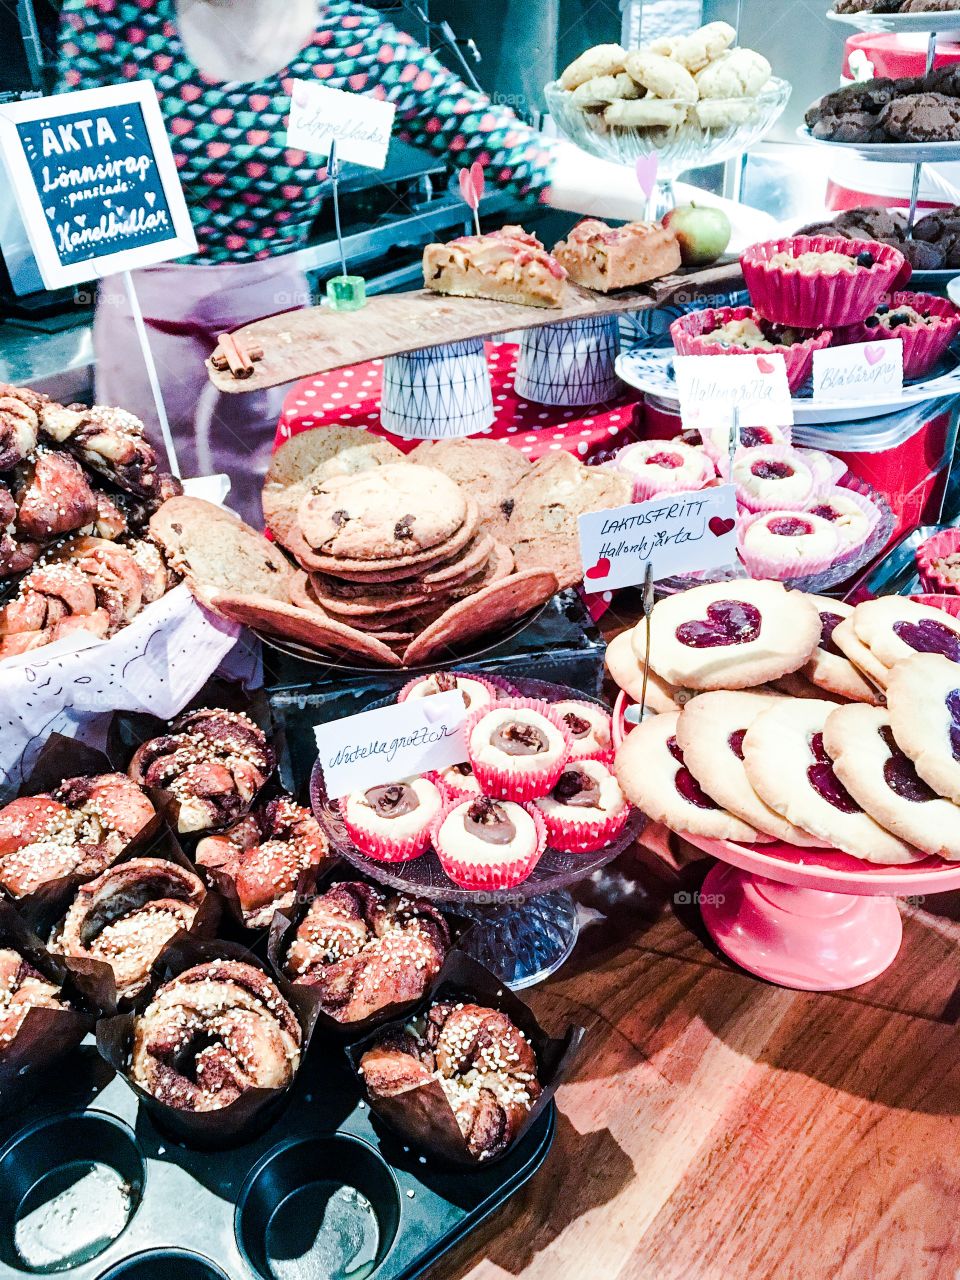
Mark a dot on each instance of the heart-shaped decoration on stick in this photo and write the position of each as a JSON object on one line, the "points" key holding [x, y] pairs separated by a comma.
{"points": [[646, 171], [471, 188]]}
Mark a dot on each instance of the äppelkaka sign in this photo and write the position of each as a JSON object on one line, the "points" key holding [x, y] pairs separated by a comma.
{"points": [[95, 181]]}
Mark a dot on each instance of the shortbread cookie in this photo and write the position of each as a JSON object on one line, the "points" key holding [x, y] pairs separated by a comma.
{"points": [[710, 731], [652, 775], [601, 60], [627, 674], [852, 648], [923, 700], [883, 780], [830, 668], [645, 113], [700, 47], [788, 765], [732, 635], [602, 90], [894, 628], [741, 73], [662, 77]]}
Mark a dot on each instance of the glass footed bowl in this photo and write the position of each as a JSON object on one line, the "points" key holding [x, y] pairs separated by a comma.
{"points": [[678, 147]]}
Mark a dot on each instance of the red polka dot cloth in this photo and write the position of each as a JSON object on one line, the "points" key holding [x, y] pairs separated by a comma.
{"points": [[351, 397], [250, 196]]}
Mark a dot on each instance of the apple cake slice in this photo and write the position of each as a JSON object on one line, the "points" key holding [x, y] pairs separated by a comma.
{"points": [[601, 257], [509, 265]]}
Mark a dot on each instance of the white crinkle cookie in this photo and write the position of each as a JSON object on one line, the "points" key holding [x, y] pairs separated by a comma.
{"points": [[645, 113], [700, 47], [741, 73], [662, 76], [601, 60], [714, 113], [602, 90]]}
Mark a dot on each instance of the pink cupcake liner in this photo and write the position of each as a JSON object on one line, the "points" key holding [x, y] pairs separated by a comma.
{"points": [[664, 479], [385, 848], [783, 567], [775, 502], [944, 543], [530, 783], [494, 875], [580, 750], [826, 469], [450, 790], [583, 837], [922, 347], [866, 505], [409, 687], [750, 438], [820, 301], [949, 604], [691, 337]]}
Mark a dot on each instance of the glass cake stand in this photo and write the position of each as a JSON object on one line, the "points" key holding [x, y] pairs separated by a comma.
{"points": [[679, 147], [522, 934]]}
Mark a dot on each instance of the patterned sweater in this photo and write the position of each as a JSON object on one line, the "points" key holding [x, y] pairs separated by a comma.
{"points": [[249, 195]]}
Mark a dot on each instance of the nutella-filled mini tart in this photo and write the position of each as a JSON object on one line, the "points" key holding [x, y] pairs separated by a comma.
{"points": [[518, 748], [391, 821], [489, 844], [585, 809], [457, 782], [476, 691], [590, 728]]}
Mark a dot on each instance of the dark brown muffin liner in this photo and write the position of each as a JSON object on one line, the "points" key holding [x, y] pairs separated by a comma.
{"points": [[63, 758], [45, 1035], [423, 1116], [254, 1111], [283, 929]]}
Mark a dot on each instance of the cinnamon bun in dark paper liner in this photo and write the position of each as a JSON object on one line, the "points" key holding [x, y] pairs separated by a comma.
{"points": [[422, 1116], [255, 1109], [46, 1032], [71, 780], [135, 908], [343, 993]]}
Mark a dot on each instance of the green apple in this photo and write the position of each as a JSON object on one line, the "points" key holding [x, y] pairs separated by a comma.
{"points": [[703, 233]]}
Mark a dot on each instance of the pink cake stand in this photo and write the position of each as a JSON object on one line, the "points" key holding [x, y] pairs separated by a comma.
{"points": [[814, 919]]}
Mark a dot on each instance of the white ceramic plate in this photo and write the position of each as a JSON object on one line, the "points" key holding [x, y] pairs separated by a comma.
{"points": [[900, 24], [650, 369], [892, 152]]}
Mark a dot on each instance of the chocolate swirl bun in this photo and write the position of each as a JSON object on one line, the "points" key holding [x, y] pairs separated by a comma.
{"points": [[211, 1034], [264, 855], [19, 424], [22, 988], [484, 1064], [16, 554], [109, 441], [80, 828], [213, 763], [362, 951], [127, 915], [53, 497]]}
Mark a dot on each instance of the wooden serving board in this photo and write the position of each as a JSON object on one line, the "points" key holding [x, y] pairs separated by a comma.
{"points": [[298, 344]]}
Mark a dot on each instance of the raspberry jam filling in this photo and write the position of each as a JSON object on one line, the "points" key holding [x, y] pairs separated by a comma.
{"points": [[686, 783], [953, 706], [771, 469], [735, 742], [669, 460], [753, 437], [927, 636], [825, 782], [900, 775], [727, 622], [789, 527], [825, 512], [828, 624]]}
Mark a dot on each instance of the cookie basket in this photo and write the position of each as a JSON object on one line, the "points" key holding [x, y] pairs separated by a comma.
{"points": [[679, 147], [90, 1190]]}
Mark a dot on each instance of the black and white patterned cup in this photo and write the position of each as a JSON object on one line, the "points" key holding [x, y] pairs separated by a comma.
{"points": [[437, 392], [569, 364]]}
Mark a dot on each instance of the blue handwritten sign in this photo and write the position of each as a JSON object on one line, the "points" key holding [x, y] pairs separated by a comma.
{"points": [[96, 181]]}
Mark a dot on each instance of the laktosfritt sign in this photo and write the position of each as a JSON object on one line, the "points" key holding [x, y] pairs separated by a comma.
{"points": [[95, 181]]}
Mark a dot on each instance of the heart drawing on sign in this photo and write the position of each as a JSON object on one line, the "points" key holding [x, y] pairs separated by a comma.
{"points": [[80, 219], [718, 526], [150, 197], [765, 365], [874, 353], [600, 569], [107, 204], [49, 212]]}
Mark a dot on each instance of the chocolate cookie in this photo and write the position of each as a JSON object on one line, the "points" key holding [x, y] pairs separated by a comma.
{"points": [[923, 117]]}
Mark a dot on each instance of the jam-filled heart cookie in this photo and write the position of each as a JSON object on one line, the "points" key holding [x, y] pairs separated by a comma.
{"points": [[710, 732], [732, 635], [653, 775], [829, 668], [884, 781], [627, 672], [923, 698], [893, 629], [789, 766]]}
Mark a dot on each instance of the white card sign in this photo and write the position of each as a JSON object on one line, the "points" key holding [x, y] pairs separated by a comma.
{"points": [[392, 743], [360, 124], [677, 533], [95, 181], [755, 385], [862, 369]]}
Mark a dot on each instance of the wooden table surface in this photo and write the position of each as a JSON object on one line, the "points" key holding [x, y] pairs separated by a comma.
{"points": [[720, 1128]]}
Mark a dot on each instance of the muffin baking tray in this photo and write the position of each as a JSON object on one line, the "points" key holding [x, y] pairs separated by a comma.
{"points": [[91, 1190]]}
